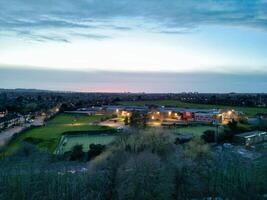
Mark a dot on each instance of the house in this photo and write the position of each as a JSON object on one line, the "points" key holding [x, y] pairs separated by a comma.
{"points": [[10, 120], [205, 117], [250, 138]]}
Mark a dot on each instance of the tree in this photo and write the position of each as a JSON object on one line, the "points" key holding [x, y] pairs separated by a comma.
{"points": [[95, 150], [208, 136], [138, 119], [26, 150], [77, 153], [233, 125], [126, 121], [144, 176]]}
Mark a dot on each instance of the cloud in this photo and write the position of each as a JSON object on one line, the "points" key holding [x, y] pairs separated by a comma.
{"points": [[166, 16], [92, 36]]}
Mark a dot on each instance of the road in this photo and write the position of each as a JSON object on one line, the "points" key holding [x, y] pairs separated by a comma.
{"points": [[6, 135], [38, 121]]}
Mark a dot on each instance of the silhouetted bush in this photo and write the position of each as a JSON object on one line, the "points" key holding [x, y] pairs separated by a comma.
{"points": [[32, 140], [77, 153], [95, 150], [145, 165], [209, 136], [26, 149]]}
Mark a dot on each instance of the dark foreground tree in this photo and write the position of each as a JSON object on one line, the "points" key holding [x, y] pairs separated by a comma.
{"points": [[146, 165], [95, 150], [233, 125], [77, 153], [208, 136], [145, 177], [138, 119]]}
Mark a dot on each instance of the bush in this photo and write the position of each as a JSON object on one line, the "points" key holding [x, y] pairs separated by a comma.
{"points": [[144, 165], [34, 141], [138, 119], [77, 153], [196, 149], [226, 136], [95, 132], [144, 176], [155, 141], [233, 125], [209, 136], [95, 150], [26, 150]]}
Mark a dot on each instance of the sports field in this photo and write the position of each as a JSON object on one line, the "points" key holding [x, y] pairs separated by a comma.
{"points": [[250, 111], [196, 131], [48, 136], [67, 142]]}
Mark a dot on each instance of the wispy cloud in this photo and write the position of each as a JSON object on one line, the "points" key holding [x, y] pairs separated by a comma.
{"points": [[92, 36], [166, 16]]}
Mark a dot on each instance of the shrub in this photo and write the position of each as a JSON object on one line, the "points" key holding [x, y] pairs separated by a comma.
{"points": [[144, 176], [208, 136], [196, 149], [155, 141], [138, 119], [233, 125], [77, 153], [26, 150], [34, 141], [95, 150]]}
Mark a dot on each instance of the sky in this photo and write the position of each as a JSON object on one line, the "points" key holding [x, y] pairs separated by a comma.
{"points": [[134, 45]]}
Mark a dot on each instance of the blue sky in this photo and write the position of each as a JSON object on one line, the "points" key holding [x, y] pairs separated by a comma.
{"points": [[212, 38]]}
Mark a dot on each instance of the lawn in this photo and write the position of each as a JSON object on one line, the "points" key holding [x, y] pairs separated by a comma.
{"points": [[250, 111], [67, 142], [48, 136], [196, 131]]}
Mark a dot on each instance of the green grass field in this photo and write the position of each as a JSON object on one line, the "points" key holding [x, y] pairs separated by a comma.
{"points": [[196, 131], [67, 142], [48, 136], [250, 111]]}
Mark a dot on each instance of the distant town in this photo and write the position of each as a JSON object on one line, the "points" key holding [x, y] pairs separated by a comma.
{"points": [[22, 109]]}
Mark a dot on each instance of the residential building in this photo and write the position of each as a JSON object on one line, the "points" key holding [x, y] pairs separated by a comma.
{"points": [[11, 120], [250, 138]]}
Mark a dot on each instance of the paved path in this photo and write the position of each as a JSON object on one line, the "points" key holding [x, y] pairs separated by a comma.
{"points": [[6, 135], [38, 121], [112, 124]]}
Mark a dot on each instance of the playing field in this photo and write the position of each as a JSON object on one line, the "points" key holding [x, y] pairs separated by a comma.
{"points": [[48, 136], [196, 131], [247, 110], [67, 142]]}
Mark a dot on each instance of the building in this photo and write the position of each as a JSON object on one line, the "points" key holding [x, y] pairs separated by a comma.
{"points": [[10, 120], [123, 111], [205, 117], [169, 115], [250, 138], [227, 116]]}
